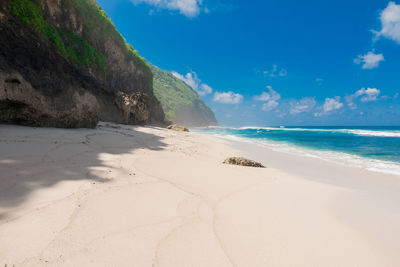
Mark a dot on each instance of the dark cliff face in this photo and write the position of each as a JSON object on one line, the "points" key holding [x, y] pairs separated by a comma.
{"points": [[63, 64]]}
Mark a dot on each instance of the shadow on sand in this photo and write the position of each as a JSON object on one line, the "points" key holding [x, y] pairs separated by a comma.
{"points": [[35, 158]]}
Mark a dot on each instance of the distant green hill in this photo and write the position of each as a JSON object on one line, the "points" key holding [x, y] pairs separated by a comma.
{"points": [[180, 102]]}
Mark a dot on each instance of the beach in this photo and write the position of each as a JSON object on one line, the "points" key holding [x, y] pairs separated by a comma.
{"points": [[123, 195]]}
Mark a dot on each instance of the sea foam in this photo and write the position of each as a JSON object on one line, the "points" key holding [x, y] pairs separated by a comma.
{"points": [[368, 163]]}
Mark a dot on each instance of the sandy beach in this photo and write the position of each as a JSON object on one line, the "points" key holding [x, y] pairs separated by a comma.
{"points": [[145, 196]]}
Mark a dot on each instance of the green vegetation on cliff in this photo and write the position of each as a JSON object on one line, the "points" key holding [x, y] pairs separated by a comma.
{"points": [[30, 12], [97, 22], [181, 104], [77, 49]]}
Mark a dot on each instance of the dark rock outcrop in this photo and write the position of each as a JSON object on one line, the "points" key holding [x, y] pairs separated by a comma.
{"points": [[73, 72], [243, 162], [134, 106], [178, 128]]}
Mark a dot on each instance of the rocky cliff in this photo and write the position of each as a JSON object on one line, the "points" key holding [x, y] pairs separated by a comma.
{"points": [[180, 102], [63, 64]]}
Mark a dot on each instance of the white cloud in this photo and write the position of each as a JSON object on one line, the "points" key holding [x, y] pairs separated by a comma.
{"points": [[270, 95], [330, 105], [275, 71], [271, 98], [390, 22], [189, 8], [370, 94], [367, 95], [227, 97], [194, 82], [205, 89], [270, 105], [305, 104], [369, 60]]}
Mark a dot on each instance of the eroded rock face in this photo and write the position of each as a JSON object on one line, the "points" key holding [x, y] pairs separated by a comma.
{"points": [[243, 162], [134, 107], [22, 104], [38, 87]]}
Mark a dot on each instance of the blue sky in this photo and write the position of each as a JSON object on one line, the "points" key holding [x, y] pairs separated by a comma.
{"points": [[275, 62]]}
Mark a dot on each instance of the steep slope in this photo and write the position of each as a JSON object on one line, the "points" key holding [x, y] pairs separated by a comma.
{"points": [[64, 64], [180, 102]]}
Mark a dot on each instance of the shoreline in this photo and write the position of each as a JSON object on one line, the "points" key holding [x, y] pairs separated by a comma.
{"points": [[341, 158], [123, 195], [317, 169]]}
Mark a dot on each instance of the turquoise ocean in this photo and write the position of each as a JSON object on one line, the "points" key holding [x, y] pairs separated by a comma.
{"points": [[373, 148]]}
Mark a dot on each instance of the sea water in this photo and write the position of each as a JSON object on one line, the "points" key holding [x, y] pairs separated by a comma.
{"points": [[372, 148]]}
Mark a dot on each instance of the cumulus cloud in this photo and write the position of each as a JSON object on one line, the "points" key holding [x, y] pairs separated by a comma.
{"points": [[270, 98], [330, 105], [369, 94], [369, 60], [227, 98], [390, 22], [365, 95], [189, 8], [194, 82], [305, 104]]}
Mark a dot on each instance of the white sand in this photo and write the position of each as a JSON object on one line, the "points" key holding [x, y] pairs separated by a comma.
{"points": [[142, 196]]}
